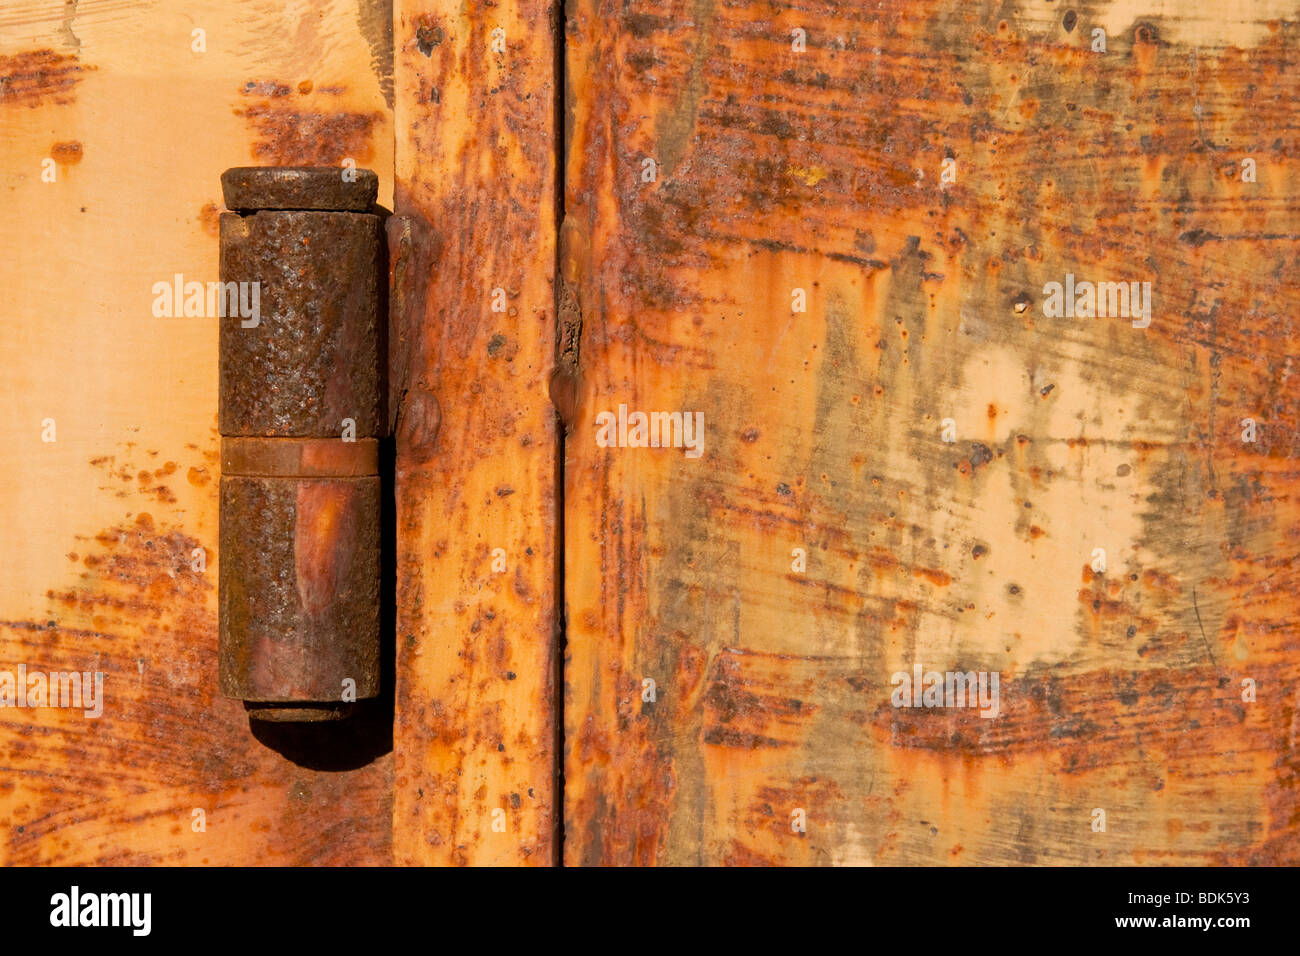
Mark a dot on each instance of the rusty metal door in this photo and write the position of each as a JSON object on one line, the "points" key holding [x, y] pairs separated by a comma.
{"points": [[750, 366], [988, 311]]}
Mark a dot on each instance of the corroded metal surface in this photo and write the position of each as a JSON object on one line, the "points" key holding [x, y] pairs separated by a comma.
{"points": [[300, 404], [106, 537], [724, 156], [476, 475], [299, 588], [312, 359], [327, 188]]}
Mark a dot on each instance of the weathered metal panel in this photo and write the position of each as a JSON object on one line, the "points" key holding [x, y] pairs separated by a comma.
{"points": [[829, 537], [110, 561], [473, 255]]}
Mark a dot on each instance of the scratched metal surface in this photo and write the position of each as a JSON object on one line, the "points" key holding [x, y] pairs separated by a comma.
{"points": [[821, 170]]}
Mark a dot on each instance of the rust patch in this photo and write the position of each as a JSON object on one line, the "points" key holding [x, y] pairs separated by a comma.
{"points": [[633, 828], [39, 77], [67, 153], [286, 135], [428, 34], [210, 219], [472, 420], [121, 789], [739, 712], [1091, 434]]}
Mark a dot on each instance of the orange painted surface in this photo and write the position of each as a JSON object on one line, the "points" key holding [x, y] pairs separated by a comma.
{"points": [[782, 173], [110, 530], [734, 620], [473, 341]]}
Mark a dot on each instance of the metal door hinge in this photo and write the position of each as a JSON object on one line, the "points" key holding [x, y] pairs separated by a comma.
{"points": [[302, 409]]}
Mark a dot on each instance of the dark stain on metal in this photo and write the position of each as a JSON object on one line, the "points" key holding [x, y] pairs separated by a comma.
{"points": [[134, 607], [428, 36], [375, 18], [291, 136], [68, 153], [301, 412], [36, 77], [1146, 33]]}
